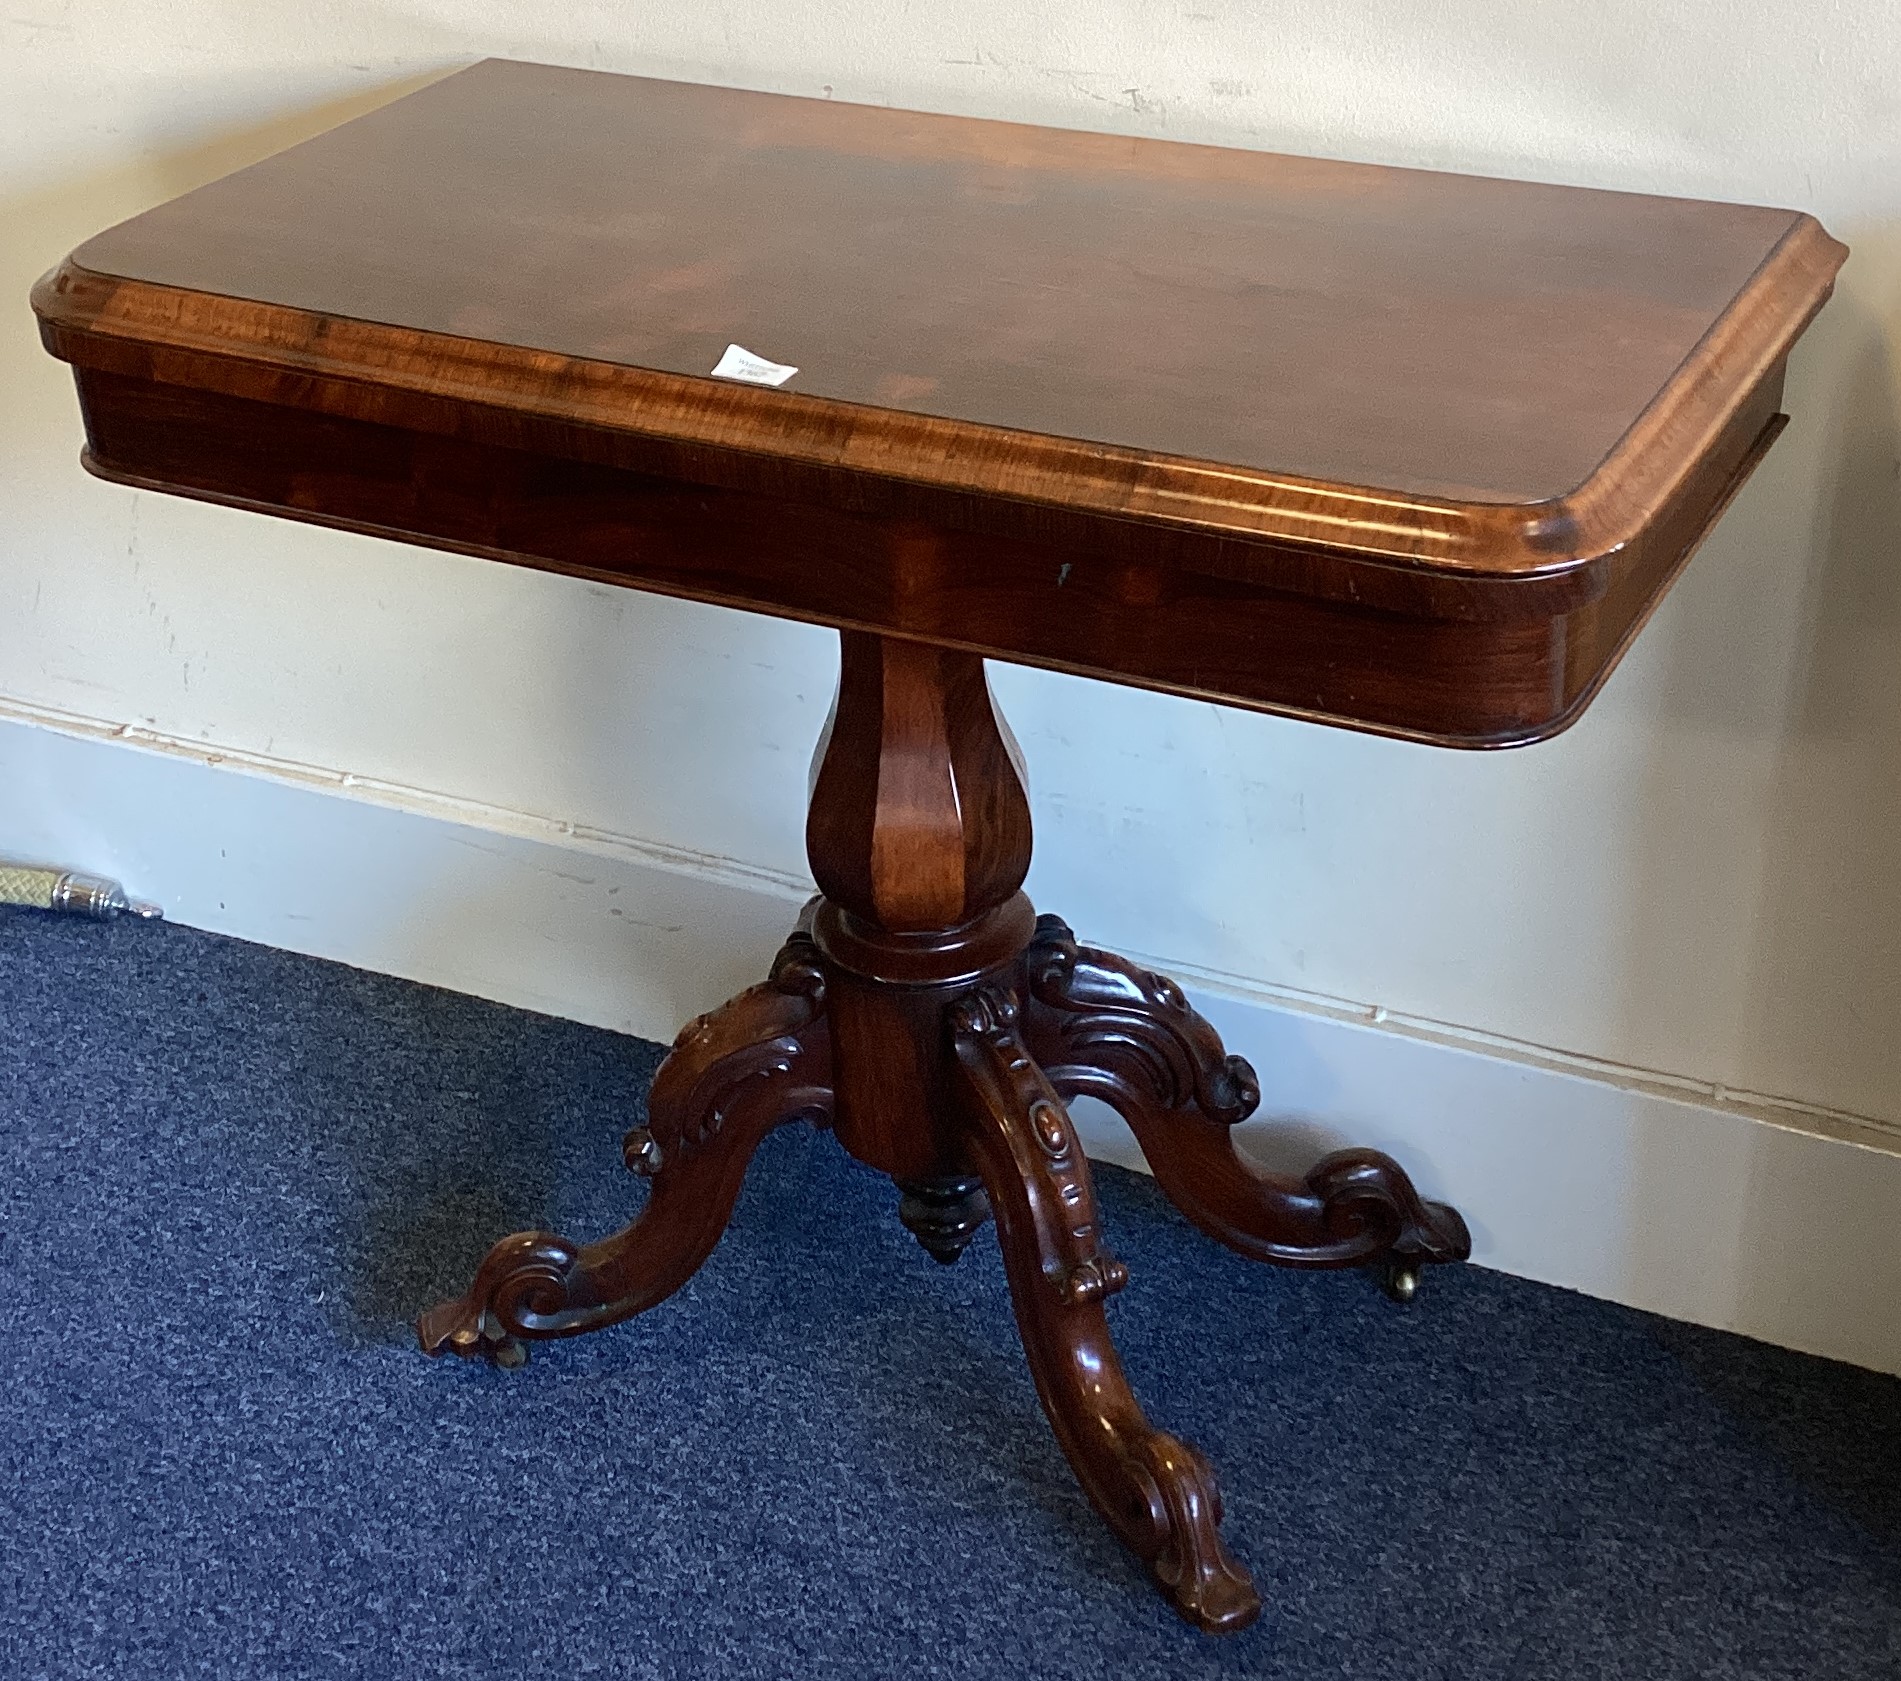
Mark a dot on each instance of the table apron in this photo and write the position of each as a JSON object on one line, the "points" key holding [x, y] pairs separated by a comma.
{"points": [[1458, 661]]}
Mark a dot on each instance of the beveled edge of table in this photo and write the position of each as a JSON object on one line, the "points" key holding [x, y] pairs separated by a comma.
{"points": [[208, 341]]}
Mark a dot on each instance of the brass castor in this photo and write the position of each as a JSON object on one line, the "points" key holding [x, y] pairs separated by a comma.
{"points": [[1399, 1280]]}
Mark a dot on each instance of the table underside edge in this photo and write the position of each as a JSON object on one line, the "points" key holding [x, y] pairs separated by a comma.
{"points": [[1436, 668], [275, 353]]}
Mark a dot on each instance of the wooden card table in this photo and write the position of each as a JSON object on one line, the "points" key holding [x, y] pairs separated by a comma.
{"points": [[1398, 451]]}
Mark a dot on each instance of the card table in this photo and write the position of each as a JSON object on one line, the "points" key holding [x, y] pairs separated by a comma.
{"points": [[1379, 448]]}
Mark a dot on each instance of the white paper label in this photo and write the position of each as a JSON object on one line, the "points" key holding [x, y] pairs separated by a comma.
{"points": [[740, 363]]}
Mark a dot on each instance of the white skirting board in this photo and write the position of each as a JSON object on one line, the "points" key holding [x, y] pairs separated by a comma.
{"points": [[1772, 1223]]}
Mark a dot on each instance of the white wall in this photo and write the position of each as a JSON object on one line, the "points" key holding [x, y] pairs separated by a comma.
{"points": [[1687, 1202], [1703, 878]]}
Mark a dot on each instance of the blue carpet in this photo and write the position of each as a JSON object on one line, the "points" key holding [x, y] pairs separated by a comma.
{"points": [[229, 1176]]}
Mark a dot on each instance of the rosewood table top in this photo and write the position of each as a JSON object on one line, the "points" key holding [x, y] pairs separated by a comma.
{"points": [[1399, 450]]}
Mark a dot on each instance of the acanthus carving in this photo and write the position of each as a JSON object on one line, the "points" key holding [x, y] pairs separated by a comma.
{"points": [[918, 1007], [732, 1076], [1369, 1207], [765, 1034], [984, 1029], [1127, 1035], [1156, 1492], [1104, 1028], [1190, 1560]]}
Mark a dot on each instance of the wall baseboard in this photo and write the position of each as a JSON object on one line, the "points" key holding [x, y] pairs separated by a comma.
{"points": [[1767, 1219]]}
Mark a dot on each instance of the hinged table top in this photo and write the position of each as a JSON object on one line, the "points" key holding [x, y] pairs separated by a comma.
{"points": [[1443, 370], [1404, 451]]}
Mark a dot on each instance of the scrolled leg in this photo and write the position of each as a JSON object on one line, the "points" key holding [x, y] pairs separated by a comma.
{"points": [[1102, 1027], [1157, 1493], [732, 1076]]}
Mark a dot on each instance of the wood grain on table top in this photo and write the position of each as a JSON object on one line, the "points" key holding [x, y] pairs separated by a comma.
{"points": [[1449, 369]]}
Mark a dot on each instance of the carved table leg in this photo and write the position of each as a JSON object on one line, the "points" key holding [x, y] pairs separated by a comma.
{"points": [[1102, 1027], [893, 1014], [1157, 1493], [732, 1076]]}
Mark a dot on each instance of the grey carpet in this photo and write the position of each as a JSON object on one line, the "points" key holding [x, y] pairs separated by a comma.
{"points": [[229, 1176]]}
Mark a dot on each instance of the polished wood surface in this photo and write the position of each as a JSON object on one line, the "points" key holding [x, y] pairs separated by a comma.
{"points": [[1154, 1490], [1340, 322], [1348, 435], [1101, 1027], [1400, 451], [1461, 661], [921, 1011], [760, 1061]]}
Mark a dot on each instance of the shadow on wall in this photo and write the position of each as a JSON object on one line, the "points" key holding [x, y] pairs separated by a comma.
{"points": [[1765, 847], [1825, 975], [1825, 971], [1767, 850], [1796, 882], [595, 678], [37, 230]]}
